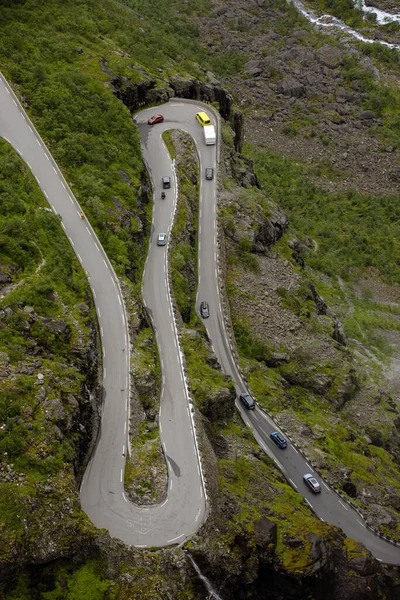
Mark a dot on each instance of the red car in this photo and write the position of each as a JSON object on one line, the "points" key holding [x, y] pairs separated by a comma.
{"points": [[155, 119]]}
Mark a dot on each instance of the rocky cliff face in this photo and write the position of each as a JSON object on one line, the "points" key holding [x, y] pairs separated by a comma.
{"points": [[299, 361], [332, 574], [40, 524], [135, 95]]}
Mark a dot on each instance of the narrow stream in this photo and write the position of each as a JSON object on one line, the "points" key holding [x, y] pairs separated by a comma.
{"points": [[331, 22], [212, 593], [382, 17]]}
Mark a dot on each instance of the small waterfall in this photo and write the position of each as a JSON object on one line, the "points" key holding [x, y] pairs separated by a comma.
{"points": [[212, 594]]}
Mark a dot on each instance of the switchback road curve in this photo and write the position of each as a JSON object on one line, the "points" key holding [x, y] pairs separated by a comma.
{"points": [[327, 505], [102, 491]]}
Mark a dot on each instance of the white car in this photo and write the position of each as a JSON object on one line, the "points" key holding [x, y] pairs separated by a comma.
{"points": [[312, 483], [161, 239]]}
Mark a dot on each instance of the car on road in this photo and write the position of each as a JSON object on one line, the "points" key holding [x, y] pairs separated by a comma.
{"points": [[155, 119], [204, 310], [166, 183], [209, 173], [278, 439], [161, 239], [312, 483], [248, 401], [203, 118]]}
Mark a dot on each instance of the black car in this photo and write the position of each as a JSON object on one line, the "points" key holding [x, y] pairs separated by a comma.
{"points": [[248, 401], [209, 173], [166, 182], [278, 439], [204, 310]]}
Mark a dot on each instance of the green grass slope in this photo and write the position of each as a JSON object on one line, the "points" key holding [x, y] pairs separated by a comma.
{"points": [[46, 330]]}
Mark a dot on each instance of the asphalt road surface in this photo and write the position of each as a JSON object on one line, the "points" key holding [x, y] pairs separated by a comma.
{"points": [[102, 491], [327, 505]]}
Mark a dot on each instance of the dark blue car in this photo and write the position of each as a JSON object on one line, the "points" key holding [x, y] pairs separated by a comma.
{"points": [[278, 439]]}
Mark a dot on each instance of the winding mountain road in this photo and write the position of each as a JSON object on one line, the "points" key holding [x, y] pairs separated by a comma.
{"points": [[102, 490]]}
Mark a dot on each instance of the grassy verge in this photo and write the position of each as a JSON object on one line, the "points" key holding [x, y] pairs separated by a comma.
{"points": [[183, 253], [168, 139]]}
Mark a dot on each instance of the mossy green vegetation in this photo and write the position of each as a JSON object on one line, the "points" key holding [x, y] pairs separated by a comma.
{"points": [[205, 379], [146, 461], [146, 368], [259, 491], [183, 254], [145, 468], [167, 137], [46, 317], [367, 237], [250, 346], [88, 131], [381, 98], [65, 582]]}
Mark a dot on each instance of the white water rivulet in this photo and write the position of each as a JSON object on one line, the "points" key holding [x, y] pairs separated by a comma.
{"points": [[382, 17], [331, 22], [212, 593]]}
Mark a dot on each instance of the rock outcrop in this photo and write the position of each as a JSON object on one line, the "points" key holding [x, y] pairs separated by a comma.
{"points": [[151, 91]]}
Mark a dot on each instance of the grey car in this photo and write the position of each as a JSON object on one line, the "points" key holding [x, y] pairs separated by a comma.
{"points": [[209, 173], [312, 483], [166, 183], [161, 239], [248, 401], [204, 310]]}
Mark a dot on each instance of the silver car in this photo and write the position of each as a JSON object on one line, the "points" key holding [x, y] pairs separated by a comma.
{"points": [[312, 483], [161, 239]]}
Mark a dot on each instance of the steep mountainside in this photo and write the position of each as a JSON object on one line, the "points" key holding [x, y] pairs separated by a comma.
{"points": [[309, 229]]}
